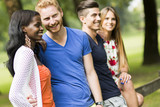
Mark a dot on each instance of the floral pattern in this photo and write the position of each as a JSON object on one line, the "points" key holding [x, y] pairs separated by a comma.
{"points": [[112, 57]]}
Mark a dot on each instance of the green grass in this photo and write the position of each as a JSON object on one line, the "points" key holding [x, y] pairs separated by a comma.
{"points": [[5, 81], [153, 100], [134, 43], [4, 102]]}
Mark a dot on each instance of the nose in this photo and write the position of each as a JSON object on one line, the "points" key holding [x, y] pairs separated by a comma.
{"points": [[110, 21], [98, 18], [52, 21], [41, 28]]}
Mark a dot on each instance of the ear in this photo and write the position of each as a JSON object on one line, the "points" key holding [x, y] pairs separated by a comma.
{"points": [[82, 19], [23, 29], [61, 12]]}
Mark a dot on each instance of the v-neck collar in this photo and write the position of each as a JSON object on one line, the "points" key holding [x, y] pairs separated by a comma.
{"points": [[58, 43], [94, 41]]}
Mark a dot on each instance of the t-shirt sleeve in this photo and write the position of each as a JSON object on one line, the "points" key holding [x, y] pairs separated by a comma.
{"points": [[23, 68], [86, 45]]}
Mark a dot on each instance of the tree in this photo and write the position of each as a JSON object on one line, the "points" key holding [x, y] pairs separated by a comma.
{"points": [[12, 5], [151, 54]]}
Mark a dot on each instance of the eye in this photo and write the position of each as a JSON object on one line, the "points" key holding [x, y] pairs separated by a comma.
{"points": [[94, 15], [99, 14], [107, 18], [55, 15], [46, 19], [114, 19], [38, 24]]}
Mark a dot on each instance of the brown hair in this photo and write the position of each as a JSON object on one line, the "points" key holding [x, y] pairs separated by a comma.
{"points": [[116, 35], [44, 3], [83, 5]]}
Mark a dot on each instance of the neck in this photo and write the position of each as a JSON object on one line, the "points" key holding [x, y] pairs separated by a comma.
{"points": [[90, 32], [31, 44], [57, 36], [107, 35]]}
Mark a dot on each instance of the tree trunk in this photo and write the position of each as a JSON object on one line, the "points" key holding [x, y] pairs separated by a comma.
{"points": [[12, 5], [151, 54]]}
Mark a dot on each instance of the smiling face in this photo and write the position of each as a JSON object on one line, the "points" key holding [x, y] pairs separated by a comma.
{"points": [[51, 18], [92, 19], [109, 23], [34, 30]]}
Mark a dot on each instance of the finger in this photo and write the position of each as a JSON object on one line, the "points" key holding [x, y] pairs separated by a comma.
{"points": [[122, 76], [31, 100], [128, 77], [30, 96]]}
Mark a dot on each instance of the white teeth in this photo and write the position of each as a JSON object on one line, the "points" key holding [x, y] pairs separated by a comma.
{"points": [[40, 33], [54, 25], [109, 26]]}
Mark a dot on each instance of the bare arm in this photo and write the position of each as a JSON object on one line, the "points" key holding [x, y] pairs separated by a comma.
{"points": [[92, 78]]}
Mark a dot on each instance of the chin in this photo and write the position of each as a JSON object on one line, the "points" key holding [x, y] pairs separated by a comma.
{"points": [[55, 31], [97, 29]]}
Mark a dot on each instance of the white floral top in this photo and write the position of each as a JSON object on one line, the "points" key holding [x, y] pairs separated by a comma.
{"points": [[112, 58]]}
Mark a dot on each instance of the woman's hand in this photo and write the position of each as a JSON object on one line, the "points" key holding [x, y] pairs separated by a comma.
{"points": [[32, 101], [124, 77]]}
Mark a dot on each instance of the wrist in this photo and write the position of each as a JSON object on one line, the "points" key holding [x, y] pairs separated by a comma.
{"points": [[100, 103]]}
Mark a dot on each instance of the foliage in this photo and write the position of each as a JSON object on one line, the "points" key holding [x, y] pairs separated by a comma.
{"points": [[4, 25], [158, 4], [70, 15], [129, 20]]}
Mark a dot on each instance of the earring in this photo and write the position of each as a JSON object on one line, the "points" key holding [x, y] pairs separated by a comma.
{"points": [[27, 41]]}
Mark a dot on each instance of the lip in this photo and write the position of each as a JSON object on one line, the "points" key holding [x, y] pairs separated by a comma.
{"points": [[54, 25]]}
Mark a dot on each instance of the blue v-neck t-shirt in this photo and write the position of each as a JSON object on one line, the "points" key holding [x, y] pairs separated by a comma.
{"points": [[69, 83]]}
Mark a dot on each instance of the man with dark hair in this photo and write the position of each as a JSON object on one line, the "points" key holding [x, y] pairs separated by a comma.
{"points": [[89, 15]]}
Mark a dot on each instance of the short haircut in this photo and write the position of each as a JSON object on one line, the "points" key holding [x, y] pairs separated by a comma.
{"points": [[84, 5], [44, 3]]}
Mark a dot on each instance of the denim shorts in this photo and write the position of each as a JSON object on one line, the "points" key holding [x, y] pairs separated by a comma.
{"points": [[117, 101]]}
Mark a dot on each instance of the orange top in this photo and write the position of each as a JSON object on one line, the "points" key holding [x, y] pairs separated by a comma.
{"points": [[45, 78]]}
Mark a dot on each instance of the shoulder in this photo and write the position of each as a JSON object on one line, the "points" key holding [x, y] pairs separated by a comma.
{"points": [[24, 51], [77, 32], [45, 36]]}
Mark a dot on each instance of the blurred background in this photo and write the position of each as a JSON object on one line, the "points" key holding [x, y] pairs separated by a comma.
{"points": [[140, 21]]}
